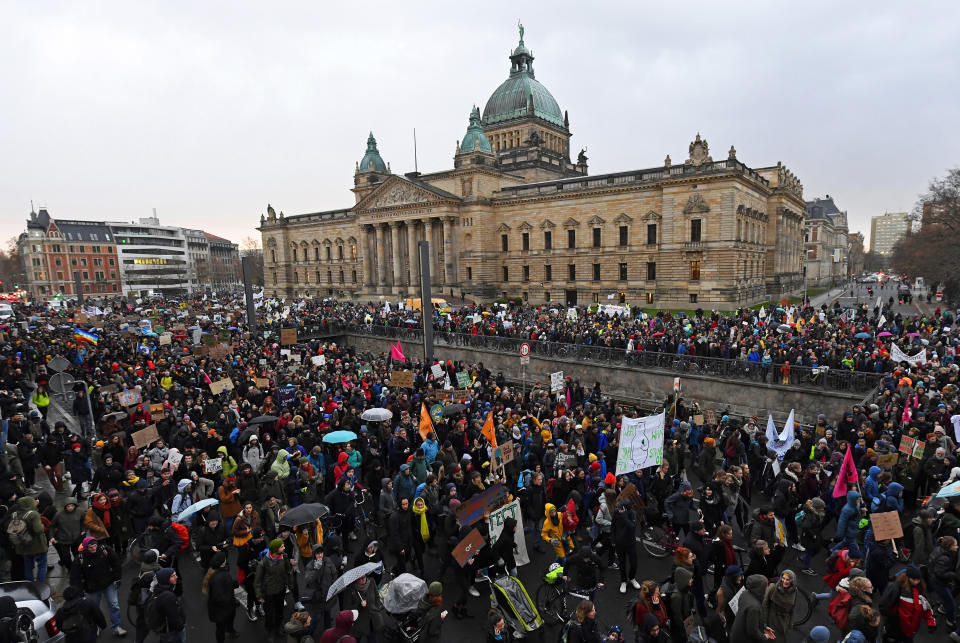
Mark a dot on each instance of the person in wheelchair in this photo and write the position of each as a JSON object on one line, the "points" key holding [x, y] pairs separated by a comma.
{"points": [[585, 569]]}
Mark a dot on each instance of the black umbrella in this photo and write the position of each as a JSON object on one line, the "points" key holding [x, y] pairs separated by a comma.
{"points": [[263, 419], [247, 432], [303, 514], [452, 409]]}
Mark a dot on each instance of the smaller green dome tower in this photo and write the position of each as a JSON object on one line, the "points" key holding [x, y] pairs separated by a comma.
{"points": [[371, 161], [475, 140]]}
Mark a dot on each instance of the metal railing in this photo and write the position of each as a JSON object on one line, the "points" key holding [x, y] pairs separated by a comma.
{"points": [[825, 379]]}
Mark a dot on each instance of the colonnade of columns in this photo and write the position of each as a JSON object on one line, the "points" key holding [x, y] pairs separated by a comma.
{"points": [[390, 258]]}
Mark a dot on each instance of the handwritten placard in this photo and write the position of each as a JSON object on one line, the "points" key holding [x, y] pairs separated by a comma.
{"points": [[156, 412], [401, 379], [145, 437], [887, 460], [262, 382], [212, 465], [886, 525], [468, 547], [906, 444], [129, 397], [641, 443], [288, 336], [218, 387], [496, 524]]}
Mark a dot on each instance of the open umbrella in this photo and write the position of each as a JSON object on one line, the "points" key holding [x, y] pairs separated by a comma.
{"points": [[862, 335], [302, 514], [884, 334], [377, 415], [913, 334], [949, 491], [452, 409], [338, 437], [197, 506], [246, 435], [783, 328], [263, 419], [116, 415], [351, 575]]}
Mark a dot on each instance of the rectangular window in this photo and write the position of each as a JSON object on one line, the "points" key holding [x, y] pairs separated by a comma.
{"points": [[71, 248], [572, 272], [651, 271], [469, 273], [547, 240], [651, 234], [571, 239], [693, 298], [695, 270], [623, 272], [56, 247], [504, 243], [546, 295], [649, 297], [85, 274], [526, 273], [506, 273], [596, 237], [525, 240], [695, 225], [83, 261], [98, 275], [56, 261], [80, 249], [59, 276], [624, 236], [318, 276], [340, 254], [548, 273], [111, 261], [329, 254], [596, 272], [73, 262]]}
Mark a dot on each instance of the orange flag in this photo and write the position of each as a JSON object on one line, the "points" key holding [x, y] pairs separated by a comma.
{"points": [[488, 431], [426, 424]]}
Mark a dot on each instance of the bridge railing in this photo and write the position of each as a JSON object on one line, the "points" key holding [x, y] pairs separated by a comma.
{"points": [[735, 369]]}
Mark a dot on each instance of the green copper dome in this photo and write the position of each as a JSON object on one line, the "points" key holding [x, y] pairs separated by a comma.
{"points": [[475, 140], [371, 161], [521, 95]]}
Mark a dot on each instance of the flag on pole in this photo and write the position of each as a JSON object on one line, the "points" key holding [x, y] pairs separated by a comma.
{"points": [[85, 336], [206, 378], [848, 474], [426, 424], [488, 431], [396, 352]]}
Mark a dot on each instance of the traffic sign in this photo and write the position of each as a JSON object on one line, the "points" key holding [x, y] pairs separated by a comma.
{"points": [[524, 349]]}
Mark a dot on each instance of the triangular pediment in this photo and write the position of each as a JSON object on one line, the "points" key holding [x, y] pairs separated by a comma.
{"points": [[596, 220], [571, 223], [503, 227], [623, 217], [397, 192], [652, 215], [547, 224], [525, 226]]}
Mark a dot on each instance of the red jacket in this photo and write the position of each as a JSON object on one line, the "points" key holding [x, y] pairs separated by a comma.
{"points": [[912, 611]]}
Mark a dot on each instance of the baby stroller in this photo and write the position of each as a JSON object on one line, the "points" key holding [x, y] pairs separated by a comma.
{"points": [[401, 598], [509, 595]]}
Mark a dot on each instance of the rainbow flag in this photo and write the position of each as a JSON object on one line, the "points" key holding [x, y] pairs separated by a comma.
{"points": [[85, 336]]}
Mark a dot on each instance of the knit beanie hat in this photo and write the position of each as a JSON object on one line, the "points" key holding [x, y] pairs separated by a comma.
{"points": [[610, 480], [275, 545], [435, 589], [820, 634]]}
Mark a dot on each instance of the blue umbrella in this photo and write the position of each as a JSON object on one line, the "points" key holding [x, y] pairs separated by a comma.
{"points": [[337, 437], [951, 490], [197, 506], [862, 335]]}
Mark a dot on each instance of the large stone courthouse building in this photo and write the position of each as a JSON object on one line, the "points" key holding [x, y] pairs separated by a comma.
{"points": [[516, 217]]}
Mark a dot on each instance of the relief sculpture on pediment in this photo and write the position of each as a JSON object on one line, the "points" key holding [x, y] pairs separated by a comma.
{"points": [[399, 195]]}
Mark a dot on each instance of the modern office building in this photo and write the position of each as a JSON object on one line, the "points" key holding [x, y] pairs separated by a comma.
{"points": [[886, 230], [153, 258]]}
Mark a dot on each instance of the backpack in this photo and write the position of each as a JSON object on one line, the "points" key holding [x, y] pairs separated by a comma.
{"points": [[138, 595], [832, 560], [18, 531], [74, 623], [152, 615], [839, 610], [183, 534]]}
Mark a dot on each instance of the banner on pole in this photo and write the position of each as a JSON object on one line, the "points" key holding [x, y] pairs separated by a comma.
{"points": [[641, 443], [497, 518]]}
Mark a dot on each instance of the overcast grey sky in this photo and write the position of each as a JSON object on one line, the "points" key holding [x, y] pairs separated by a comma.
{"points": [[207, 111]]}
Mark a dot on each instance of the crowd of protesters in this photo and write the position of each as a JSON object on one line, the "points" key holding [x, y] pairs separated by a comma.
{"points": [[720, 486]]}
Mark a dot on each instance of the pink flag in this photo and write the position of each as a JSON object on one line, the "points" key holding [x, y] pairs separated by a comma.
{"points": [[206, 378], [848, 474], [396, 352]]}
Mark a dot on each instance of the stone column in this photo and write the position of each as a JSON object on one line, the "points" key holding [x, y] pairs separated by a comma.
{"points": [[381, 252], [395, 243], [367, 247], [414, 271], [449, 265]]}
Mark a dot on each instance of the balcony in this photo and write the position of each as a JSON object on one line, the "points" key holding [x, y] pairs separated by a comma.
{"points": [[694, 245]]}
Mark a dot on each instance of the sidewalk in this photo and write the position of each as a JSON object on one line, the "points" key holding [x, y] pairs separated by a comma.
{"points": [[827, 297]]}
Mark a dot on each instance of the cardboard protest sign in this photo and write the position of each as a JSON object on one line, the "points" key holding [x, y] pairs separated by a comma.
{"points": [[200, 351], [698, 419], [145, 437], [495, 522], [710, 417], [918, 447], [906, 444], [318, 360], [212, 465], [459, 396], [165, 339], [156, 412], [226, 384], [472, 510], [129, 397], [437, 371], [401, 379], [220, 351], [886, 525], [175, 459], [507, 451], [887, 460], [262, 382], [468, 547], [209, 340], [108, 389], [288, 336]]}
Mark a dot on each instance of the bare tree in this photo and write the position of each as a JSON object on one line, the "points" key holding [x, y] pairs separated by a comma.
{"points": [[250, 247], [11, 266], [941, 204], [250, 243]]}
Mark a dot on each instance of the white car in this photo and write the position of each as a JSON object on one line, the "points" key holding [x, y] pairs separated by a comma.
{"points": [[35, 609], [6, 311]]}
